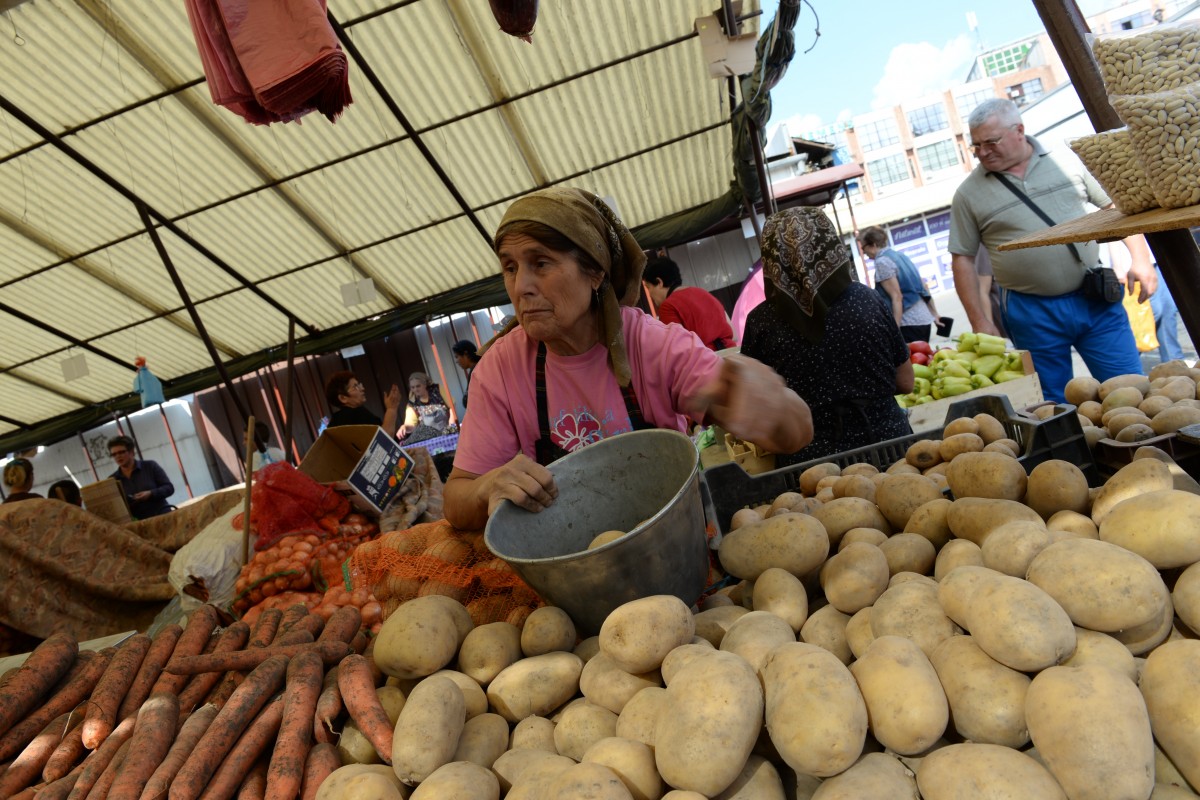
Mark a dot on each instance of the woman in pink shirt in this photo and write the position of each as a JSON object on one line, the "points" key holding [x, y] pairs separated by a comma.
{"points": [[580, 363]]}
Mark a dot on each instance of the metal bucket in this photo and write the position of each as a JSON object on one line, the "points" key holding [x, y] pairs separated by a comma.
{"points": [[643, 482]]}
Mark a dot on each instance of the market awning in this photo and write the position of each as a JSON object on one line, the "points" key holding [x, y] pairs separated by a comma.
{"points": [[106, 124]]}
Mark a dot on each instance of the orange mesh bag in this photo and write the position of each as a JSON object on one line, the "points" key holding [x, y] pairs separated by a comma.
{"points": [[436, 558]]}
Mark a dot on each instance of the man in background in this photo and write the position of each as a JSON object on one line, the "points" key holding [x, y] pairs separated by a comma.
{"points": [[691, 307], [899, 283], [144, 482], [467, 356]]}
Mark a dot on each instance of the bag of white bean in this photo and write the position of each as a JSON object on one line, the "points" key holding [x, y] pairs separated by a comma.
{"points": [[1165, 129], [1149, 60], [1111, 159]]}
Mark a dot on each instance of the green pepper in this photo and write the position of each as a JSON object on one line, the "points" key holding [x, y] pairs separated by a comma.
{"points": [[991, 348], [987, 365], [954, 368], [922, 371], [1004, 375], [980, 381], [921, 386]]}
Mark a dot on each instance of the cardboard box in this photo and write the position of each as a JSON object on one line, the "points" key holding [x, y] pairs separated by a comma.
{"points": [[106, 499], [361, 462]]}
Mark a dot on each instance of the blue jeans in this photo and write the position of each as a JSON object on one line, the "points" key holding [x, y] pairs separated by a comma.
{"points": [[1048, 327], [1166, 321]]}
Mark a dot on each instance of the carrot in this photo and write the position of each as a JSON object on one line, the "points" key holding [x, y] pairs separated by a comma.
{"points": [[64, 756], [323, 759], [27, 794], [112, 688], [254, 742], [101, 788], [291, 615], [331, 652], [294, 636], [72, 690], [95, 764], [360, 641], [156, 657], [369, 654], [194, 637], [232, 638], [342, 625], [286, 772], [220, 695], [255, 785], [23, 688], [358, 693], [25, 770], [59, 789], [152, 736], [190, 733], [247, 700], [266, 627], [312, 623], [329, 707]]}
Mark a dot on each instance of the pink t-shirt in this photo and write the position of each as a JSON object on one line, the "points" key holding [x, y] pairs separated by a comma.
{"points": [[669, 364]]}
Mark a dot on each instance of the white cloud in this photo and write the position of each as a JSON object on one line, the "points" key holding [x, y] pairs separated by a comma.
{"points": [[800, 124], [917, 69]]}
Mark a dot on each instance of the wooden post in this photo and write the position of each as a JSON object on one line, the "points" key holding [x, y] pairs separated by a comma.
{"points": [[246, 503]]}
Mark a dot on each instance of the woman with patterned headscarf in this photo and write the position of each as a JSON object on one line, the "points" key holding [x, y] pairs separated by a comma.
{"points": [[832, 339], [580, 363]]}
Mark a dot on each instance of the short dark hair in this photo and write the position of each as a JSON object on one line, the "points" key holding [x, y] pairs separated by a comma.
{"points": [[65, 490], [875, 236], [336, 386], [122, 441], [463, 347], [664, 270]]}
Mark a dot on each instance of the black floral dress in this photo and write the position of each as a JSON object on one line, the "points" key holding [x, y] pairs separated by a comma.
{"points": [[848, 380]]}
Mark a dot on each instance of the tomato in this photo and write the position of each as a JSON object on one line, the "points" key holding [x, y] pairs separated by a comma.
{"points": [[920, 347], [919, 358]]}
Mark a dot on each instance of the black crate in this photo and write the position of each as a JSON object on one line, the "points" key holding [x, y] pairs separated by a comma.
{"points": [[1057, 437]]}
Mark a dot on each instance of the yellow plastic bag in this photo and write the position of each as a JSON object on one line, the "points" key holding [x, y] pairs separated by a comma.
{"points": [[1141, 320]]}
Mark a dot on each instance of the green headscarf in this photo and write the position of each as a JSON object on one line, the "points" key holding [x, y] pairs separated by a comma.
{"points": [[592, 226], [806, 267]]}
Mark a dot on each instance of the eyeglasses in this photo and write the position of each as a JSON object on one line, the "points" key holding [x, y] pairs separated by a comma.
{"points": [[976, 147], [115, 453], [352, 385]]}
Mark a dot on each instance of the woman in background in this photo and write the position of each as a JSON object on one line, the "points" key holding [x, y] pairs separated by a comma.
{"points": [[347, 403], [428, 415], [18, 480]]}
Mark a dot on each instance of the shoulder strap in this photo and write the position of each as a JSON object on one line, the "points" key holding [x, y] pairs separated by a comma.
{"points": [[1042, 215]]}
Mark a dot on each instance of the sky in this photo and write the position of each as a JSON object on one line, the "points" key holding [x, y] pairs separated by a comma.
{"points": [[873, 54]]}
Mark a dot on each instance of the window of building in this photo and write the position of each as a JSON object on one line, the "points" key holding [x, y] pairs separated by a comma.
{"points": [[1006, 59], [928, 119], [966, 103], [886, 171], [939, 155], [1027, 92], [879, 134], [1139, 20]]}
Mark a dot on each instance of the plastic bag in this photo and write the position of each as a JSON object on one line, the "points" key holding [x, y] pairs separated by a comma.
{"points": [[1165, 129], [206, 568], [1141, 320], [1148, 60], [1113, 162]]}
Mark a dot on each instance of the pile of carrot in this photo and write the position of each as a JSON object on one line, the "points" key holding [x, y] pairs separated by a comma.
{"points": [[196, 713]]}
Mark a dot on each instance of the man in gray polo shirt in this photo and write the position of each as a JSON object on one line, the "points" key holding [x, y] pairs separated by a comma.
{"points": [[1042, 305]]}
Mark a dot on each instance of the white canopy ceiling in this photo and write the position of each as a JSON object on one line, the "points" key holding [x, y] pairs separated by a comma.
{"points": [[104, 108]]}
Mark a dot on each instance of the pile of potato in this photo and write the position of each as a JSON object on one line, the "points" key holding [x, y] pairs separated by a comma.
{"points": [[1030, 638], [1133, 408]]}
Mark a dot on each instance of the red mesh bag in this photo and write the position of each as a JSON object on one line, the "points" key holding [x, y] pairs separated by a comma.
{"points": [[436, 558], [285, 500]]}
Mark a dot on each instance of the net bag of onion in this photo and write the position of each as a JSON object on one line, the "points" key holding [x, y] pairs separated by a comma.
{"points": [[436, 558]]}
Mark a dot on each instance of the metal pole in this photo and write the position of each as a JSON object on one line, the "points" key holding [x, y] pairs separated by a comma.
{"points": [[175, 450], [291, 390], [1175, 251], [753, 212]]}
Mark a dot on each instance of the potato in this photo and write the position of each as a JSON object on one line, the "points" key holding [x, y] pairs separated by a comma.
{"points": [[709, 723], [908, 552], [712, 623], [912, 610], [419, 638], [1124, 397], [861, 468], [924, 454], [581, 726], [428, 729], [990, 475], [985, 772], [989, 428], [474, 700], [459, 779], [1159, 526], [956, 553], [1101, 586], [604, 683], [484, 738], [1170, 684], [1174, 418], [546, 630], [1137, 477], [639, 717], [1166, 369], [1092, 410], [956, 590], [632, 762], [811, 476], [1186, 597], [953, 446], [823, 496], [680, 794], [929, 521], [517, 766], [755, 635], [1011, 547], [532, 733], [1081, 389], [858, 632], [1078, 524], [784, 501], [874, 775], [1091, 728], [1019, 624], [826, 628], [828, 482], [909, 721], [803, 684], [1055, 486], [905, 577], [536, 685], [602, 539], [361, 781], [683, 655], [854, 577], [1139, 382], [868, 535], [986, 698], [1154, 404], [901, 495], [960, 425], [743, 517], [854, 486], [782, 594], [489, 649], [797, 543], [1013, 446], [902, 467], [590, 780], [588, 648], [1145, 638], [1117, 424], [973, 518], [1176, 388], [840, 515], [1093, 647], [639, 634]]}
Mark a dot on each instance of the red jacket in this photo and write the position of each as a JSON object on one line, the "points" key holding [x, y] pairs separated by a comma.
{"points": [[701, 313]]}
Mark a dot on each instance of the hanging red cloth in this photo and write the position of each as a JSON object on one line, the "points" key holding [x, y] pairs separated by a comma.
{"points": [[270, 60]]}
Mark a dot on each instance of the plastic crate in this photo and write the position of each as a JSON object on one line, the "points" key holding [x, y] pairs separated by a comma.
{"points": [[1058, 437], [1183, 446]]}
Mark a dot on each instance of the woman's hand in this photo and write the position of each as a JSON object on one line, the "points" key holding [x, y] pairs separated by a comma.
{"points": [[470, 499], [391, 400], [751, 401]]}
